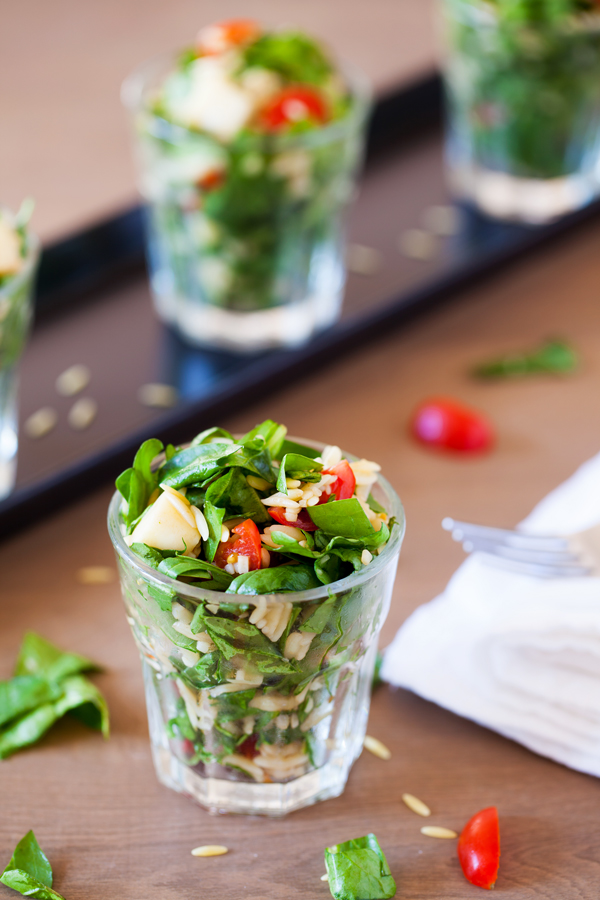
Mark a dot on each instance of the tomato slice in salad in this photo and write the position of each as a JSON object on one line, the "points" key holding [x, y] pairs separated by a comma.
{"points": [[294, 104], [221, 36], [345, 483], [479, 848], [446, 423], [245, 541], [303, 520]]}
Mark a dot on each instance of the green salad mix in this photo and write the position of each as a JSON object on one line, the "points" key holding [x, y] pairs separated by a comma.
{"points": [[249, 671], [15, 283]]}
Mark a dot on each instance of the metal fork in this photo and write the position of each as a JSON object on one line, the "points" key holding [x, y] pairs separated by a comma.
{"points": [[545, 557]]}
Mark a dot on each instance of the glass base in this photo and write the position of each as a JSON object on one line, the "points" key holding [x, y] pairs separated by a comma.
{"points": [[534, 201], [8, 431], [289, 325]]}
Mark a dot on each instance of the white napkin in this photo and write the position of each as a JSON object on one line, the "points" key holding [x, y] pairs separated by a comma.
{"points": [[518, 654]]}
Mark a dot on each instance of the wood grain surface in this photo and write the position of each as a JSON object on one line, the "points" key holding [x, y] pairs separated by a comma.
{"points": [[112, 832]]}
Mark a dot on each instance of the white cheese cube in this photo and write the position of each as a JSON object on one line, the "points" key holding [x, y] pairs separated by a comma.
{"points": [[162, 526]]}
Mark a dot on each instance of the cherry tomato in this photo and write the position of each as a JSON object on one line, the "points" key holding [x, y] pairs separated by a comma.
{"points": [[214, 178], [245, 541], [479, 848], [345, 483], [217, 38], [303, 520], [248, 747], [294, 104], [446, 423]]}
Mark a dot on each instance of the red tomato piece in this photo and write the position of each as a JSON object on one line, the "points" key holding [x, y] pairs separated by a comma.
{"points": [[345, 483], [446, 423], [479, 848], [294, 104], [303, 520], [245, 541], [222, 36], [248, 747], [214, 178]]}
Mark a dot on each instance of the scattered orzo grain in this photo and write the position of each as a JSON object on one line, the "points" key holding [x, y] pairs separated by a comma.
{"points": [[376, 747], [418, 244], [363, 260], [416, 805], [325, 877], [210, 850], [73, 380], [41, 422], [82, 413], [95, 575], [436, 831], [161, 396]]}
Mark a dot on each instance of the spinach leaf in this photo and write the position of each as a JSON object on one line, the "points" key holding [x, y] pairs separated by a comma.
{"points": [[233, 637], [293, 447], [234, 705], [24, 693], [358, 870], [254, 456], [294, 465], [342, 517], [233, 493], [328, 568], [38, 656], [83, 700], [287, 544], [209, 435], [194, 568], [374, 505], [195, 464], [275, 581], [137, 483], [319, 617], [214, 516], [151, 556], [273, 434], [29, 871], [297, 58]]}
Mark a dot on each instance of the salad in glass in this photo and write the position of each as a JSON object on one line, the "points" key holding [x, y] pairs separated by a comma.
{"points": [[248, 144], [18, 262], [257, 572], [523, 88]]}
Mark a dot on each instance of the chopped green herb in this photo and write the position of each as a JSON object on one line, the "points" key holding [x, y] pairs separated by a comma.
{"points": [[29, 871], [555, 357], [358, 870]]}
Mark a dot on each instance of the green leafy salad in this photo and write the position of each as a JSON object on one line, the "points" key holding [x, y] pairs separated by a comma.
{"points": [[248, 671], [15, 285], [241, 184], [524, 83]]}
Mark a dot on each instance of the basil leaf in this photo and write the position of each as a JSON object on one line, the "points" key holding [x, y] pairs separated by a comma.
{"points": [[38, 656], [28, 729], [214, 516], [272, 433], [24, 693], [233, 493], [209, 436], [275, 581], [294, 465], [293, 447], [342, 517], [556, 357], [137, 483], [29, 871], [83, 700], [195, 464], [358, 870]]}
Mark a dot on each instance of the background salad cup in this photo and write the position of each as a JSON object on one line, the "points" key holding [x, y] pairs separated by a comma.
{"points": [[251, 730], [523, 90], [254, 259]]}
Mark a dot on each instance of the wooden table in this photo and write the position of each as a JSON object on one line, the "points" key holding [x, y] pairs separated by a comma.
{"points": [[112, 832]]}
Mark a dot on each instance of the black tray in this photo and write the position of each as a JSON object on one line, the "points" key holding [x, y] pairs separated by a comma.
{"points": [[94, 307]]}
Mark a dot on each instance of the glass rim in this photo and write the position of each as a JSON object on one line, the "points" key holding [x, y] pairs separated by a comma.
{"points": [[134, 86], [189, 592]]}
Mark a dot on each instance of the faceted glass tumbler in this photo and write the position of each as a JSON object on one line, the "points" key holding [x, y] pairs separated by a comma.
{"points": [[248, 742], [245, 241], [523, 111], [16, 307]]}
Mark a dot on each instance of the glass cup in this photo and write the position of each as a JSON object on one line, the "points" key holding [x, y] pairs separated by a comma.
{"points": [[16, 309], [253, 259], [241, 740], [523, 110]]}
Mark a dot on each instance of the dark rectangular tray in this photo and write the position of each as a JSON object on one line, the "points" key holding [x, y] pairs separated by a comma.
{"points": [[94, 307]]}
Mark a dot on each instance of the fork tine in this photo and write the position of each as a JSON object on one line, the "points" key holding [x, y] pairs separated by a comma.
{"points": [[462, 531], [535, 569], [543, 557]]}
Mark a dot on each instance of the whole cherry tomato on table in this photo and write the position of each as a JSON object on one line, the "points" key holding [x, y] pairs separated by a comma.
{"points": [[448, 424], [479, 848], [294, 104], [245, 541]]}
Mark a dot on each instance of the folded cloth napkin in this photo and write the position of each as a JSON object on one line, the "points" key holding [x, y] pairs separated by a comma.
{"points": [[518, 654]]}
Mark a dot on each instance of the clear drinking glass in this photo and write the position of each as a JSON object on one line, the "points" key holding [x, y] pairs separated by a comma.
{"points": [[256, 261], [247, 743], [523, 109], [16, 308]]}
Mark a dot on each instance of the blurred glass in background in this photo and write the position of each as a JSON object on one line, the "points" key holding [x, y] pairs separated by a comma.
{"points": [[522, 81]]}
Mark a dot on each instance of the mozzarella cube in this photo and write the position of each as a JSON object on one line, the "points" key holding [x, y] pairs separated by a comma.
{"points": [[11, 260], [214, 102], [162, 526]]}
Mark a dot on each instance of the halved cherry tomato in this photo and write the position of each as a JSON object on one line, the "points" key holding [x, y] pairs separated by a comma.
{"points": [[345, 483], [479, 848], [303, 519], [245, 541], [214, 178], [248, 747], [294, 104], [446, 423], [221, 36]]}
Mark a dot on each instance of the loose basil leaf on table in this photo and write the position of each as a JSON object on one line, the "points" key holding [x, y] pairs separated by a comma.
{"points": [[137, 483], [24, 693], [555, 357], [294, 465], [29, 871], [358, 870], [28, 729], [342, 517], [38, 656], [83, 700]]}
